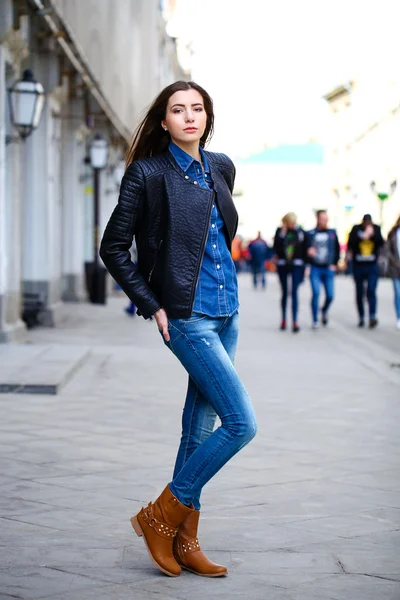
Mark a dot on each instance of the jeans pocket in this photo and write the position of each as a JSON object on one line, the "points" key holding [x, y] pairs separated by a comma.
{"points": [[194, 318], [174, 333]]}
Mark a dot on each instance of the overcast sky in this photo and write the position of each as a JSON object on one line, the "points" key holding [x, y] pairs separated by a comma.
{"points": [[267, 63]]}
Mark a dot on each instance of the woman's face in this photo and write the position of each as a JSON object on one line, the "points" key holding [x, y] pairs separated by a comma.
{"points": [[291, 224], [185, 117]]}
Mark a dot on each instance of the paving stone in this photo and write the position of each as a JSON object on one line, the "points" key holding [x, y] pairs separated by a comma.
{"points": [[383, 480], [40, 582], [349, 525], [38, 369], [354, 586]]}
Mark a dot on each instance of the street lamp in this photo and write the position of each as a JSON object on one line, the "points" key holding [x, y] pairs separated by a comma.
{"points": [[98, 155], [382, 196], [26, 100], [98, 152]]}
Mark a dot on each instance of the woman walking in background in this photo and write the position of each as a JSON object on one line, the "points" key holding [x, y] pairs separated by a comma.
{"points": [[290, 251], [393, 266], [364, 246], [176, 199]]}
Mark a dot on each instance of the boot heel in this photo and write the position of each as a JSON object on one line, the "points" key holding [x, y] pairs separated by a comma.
{"points": [[136, 526]]}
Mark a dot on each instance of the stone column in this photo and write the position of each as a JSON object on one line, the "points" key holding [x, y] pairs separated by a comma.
{"points": [[11, 326], [73, 154], [42, 198], [3, 227]]}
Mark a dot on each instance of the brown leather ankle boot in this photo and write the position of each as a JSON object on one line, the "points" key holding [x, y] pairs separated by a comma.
{"points": [[158, 524], [187, 549]]}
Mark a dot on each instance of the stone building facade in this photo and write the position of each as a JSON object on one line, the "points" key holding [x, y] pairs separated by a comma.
{"points": [[101, 64]]}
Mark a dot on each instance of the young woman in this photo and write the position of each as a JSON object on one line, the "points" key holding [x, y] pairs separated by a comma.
{"points": [[290, 252], [393, 270], [176, 200]]}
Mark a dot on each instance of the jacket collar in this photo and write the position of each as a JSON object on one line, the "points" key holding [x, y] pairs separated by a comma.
{"points": [[184, 159]]}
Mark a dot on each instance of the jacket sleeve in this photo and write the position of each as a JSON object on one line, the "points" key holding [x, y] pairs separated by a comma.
{"points": [[305, 247], [353, 240], [115, 246], [388, 249], [308, 242], [276, 246], [337, 250], [378, 239], [232, 177]]}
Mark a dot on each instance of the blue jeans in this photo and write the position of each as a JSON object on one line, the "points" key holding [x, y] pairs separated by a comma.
{"points": [[366, 274], [206, 348], [258, 273], [296, 272], [326, 276], [396, 286]]}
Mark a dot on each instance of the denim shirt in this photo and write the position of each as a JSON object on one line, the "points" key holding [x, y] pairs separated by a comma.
{"points": [[217, 288]]}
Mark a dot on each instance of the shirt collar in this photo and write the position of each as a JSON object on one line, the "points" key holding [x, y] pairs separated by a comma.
{"points": [[184, 159]]}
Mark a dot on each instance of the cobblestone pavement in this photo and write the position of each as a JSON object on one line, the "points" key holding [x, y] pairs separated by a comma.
{"points": [[310, 510]]}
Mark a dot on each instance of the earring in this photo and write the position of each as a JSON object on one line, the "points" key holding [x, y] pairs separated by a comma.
{"points": [[165, 128]]}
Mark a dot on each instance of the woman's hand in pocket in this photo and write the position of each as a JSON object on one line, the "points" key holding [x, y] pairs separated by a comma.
{"points": [[162, 323]]}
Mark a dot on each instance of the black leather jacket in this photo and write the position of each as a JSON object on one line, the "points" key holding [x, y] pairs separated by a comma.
{"points": [[169, 216], [300, 247]]}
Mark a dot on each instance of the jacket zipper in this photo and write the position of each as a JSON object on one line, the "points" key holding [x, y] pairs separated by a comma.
{"points": [[204, 242], [155, 262]]}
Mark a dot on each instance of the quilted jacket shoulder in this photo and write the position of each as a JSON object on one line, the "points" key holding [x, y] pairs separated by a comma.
{"points": [[154, 164], [224, 165], [220, 159]]}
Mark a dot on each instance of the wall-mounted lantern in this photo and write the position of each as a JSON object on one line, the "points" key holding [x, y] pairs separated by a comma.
{"points": [[26, 100]]}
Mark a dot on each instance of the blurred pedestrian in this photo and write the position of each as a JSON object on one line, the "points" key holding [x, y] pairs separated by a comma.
{"points": [[259, 252], [186, 278], [245, 262], [130, 309], [393, 264], [237, 252], [323, 252], [365, 243], [290, 256]]}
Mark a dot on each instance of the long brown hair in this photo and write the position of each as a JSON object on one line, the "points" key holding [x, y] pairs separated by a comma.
{"points": [[394, 228], [150, 138]]}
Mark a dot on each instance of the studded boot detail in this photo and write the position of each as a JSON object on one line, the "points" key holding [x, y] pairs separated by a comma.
{"points": [[188, 553], [158, 525]]}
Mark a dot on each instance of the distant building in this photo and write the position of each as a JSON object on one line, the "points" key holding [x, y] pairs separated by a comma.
{"points": [[100, 63], [279, 180], [363, 146]]}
